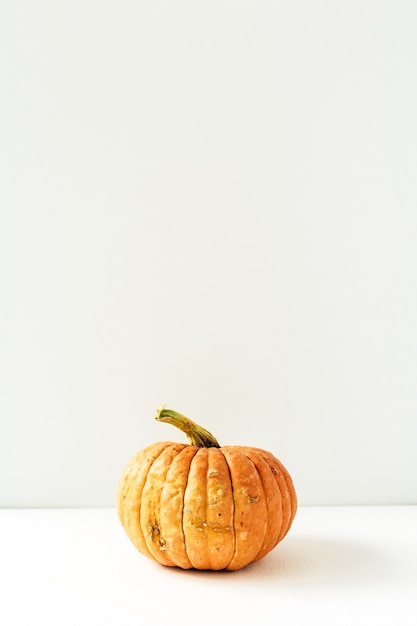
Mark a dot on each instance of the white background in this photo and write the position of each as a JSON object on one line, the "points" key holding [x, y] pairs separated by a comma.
{"points": [[210, 205], [338, 566]]}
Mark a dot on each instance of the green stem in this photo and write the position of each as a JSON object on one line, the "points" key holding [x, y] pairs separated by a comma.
{"points": [[198, 436]]}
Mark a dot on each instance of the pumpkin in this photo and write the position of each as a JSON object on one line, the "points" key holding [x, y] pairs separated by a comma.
{"points": [[203, 506]]}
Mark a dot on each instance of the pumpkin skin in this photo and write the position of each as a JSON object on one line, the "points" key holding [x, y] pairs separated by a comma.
{"points": [[207, 508]]}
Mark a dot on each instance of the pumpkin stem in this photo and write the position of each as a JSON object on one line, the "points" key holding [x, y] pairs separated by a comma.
{"points": [[197, 435]]}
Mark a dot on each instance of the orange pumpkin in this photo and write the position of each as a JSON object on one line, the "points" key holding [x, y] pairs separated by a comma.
{"points": [[203, 506]]}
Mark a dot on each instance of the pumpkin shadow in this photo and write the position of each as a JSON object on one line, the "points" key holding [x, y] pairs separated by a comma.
{"points": [[308, 560]]}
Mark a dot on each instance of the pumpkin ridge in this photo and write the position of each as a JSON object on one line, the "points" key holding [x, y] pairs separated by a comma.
{"points": [[182, 511], [195, 505], [172, 506], [248, 537], [286, 523], [281, 528], [219, 510], [287, 493], [159, 555], [292, 494], [268, 544], [245, 452], [130, 522], [233, 502]]}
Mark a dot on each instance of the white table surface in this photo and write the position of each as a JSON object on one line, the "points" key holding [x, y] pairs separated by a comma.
{"points": [[338, 565]]}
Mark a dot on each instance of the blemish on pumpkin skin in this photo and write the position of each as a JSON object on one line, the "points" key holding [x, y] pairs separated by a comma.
{"points": [[162, 544], [252, 500], [154, 531]]}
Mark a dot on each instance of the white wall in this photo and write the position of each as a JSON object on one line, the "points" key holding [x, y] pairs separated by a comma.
{"points": [[210, 205]]}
